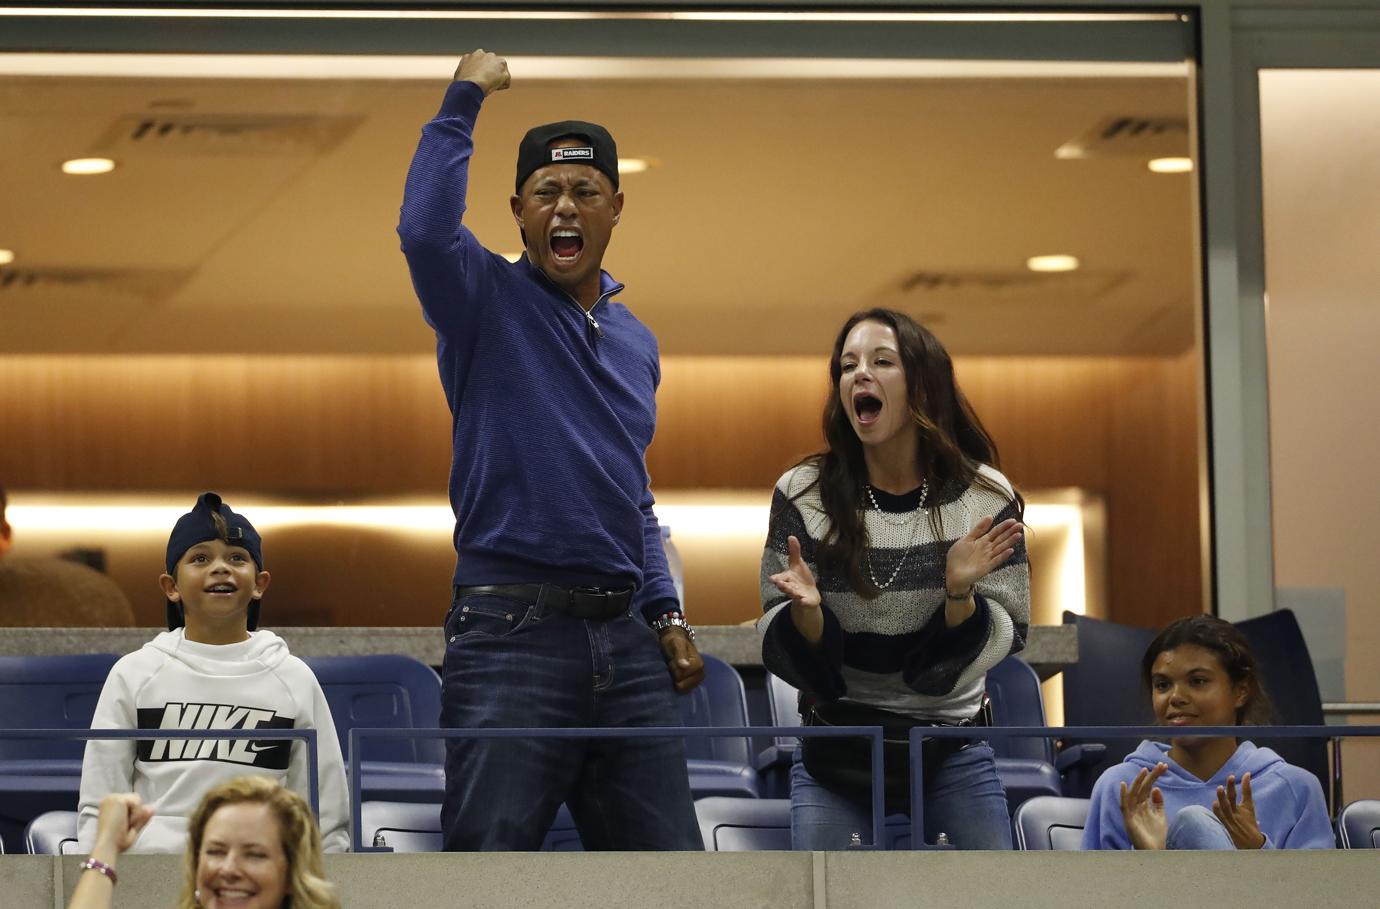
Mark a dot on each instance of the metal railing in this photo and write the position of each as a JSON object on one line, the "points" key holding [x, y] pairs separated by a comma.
{"points": [[357, 735], [873, 733], [1344, 708]]}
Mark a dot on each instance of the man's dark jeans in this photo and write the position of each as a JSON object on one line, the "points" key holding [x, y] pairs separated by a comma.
{"points": [[512, 664]]}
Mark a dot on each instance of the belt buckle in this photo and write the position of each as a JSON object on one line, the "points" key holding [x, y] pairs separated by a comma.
{"points": [[597, 592]]}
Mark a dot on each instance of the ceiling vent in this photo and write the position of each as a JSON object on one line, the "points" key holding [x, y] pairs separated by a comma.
{"points": [[940, 291], [216, 134], [1141, 137], [109, 286]]}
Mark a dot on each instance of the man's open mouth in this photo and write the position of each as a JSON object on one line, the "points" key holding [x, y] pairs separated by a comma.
{"points": [[868, 407], [566, 244], [221, 588]]}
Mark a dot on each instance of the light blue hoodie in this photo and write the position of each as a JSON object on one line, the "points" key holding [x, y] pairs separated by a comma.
{"points": [[1289, 803]]}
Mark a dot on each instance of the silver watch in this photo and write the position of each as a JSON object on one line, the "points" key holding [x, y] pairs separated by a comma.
{"points": [[673, 620]]}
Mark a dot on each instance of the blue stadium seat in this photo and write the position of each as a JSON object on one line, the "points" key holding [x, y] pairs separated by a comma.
{"points": [[52, 833], [44, 692], [1287, 671], [416, 827], [1050, 823], [764, 825], [562, 837], [774, 761], [1026, 766], [722, 765], [394, 692], [1102, 689], [49, 692], [402, 826], [744, 825], [1358, 825]]}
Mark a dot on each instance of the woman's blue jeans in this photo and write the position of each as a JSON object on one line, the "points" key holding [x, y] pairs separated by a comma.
{"points": [[964, 799], [1196, 827]]}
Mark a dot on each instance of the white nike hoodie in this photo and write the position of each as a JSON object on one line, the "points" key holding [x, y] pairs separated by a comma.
{"points": [[174, 683]]}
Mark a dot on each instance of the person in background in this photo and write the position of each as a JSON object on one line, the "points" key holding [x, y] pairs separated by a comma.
{"points": [[894, 576], [252, 845], [1201, 792], [560, 571], [55, 592], [211, 670]]}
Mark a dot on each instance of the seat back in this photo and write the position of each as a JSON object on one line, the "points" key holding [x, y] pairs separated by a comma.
{"points": [[1050, 823], [1287, 671], [562, 837], [744, 825], [402, 826], [52, 833], [416, 827], [49, 692], [1103, 689], [1358, 825], [719, 701], [386, 691], [1016, 701], [784, 701]]}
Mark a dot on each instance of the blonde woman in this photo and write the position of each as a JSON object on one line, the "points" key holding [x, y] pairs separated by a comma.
{"points": [[252, 845]]}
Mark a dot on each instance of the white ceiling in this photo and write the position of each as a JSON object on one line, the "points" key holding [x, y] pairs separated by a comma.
{"points": [[776, 207]]}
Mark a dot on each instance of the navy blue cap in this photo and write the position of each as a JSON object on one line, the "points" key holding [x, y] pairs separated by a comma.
{"points": [[197, 526]]}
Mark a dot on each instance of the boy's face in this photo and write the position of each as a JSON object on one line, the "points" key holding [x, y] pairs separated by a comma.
{"points": [[215, 583]]}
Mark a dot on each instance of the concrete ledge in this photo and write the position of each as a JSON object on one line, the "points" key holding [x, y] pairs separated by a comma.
{"points": [[798, 880], [27, 880], [1049, 647]]}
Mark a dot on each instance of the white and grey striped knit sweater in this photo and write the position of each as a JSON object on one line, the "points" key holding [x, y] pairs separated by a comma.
{"points": [[893, 651]]}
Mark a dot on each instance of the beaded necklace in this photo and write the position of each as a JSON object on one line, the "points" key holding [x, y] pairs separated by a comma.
{"points": [[867, 554]]}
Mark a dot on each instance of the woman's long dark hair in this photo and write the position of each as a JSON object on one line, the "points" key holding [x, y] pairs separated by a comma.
{"points": [[1226, 642], [952, 442]]}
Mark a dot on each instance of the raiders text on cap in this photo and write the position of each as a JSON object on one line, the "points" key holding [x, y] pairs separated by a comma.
{"points": [[567, 154]]}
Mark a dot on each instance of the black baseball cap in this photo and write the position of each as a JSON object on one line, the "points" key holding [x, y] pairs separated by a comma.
{"points": [[535, 151], [197, 526]]}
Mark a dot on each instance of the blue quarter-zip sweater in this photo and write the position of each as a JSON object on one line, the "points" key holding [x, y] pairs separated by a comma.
{"points": [[552, 411]]}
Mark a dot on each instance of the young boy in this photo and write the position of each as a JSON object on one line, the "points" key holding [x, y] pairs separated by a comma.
{"points": [[217, 672]]}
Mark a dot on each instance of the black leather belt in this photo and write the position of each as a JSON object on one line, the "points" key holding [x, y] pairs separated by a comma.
{"points": [[577, 602]]}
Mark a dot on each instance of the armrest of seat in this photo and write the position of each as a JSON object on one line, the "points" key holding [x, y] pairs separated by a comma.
{"points": [[1075, 757], [774, 756]]}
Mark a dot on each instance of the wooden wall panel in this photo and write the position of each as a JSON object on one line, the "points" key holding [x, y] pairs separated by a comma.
{"points": [[337, 426], [361, 427]]}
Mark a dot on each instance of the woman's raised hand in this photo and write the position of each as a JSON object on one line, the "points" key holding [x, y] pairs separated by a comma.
{"points": [[1142, 809], [123, 816], [798, 583], [980, 552]]}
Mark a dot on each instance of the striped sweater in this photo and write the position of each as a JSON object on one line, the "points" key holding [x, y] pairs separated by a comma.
{"points": [[894, 651]]}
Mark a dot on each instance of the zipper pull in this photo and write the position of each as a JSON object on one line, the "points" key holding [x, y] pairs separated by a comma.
{"points": [[594, 323]]}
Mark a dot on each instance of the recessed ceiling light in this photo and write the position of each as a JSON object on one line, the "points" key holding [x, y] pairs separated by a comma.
{"points": [[1170, 165], [632, 165], [1052, 263], [6, 256], [512, 256], [88, 166]]}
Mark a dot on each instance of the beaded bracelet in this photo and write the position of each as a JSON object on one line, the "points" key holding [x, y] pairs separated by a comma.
{"points": [[101, 868]]}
